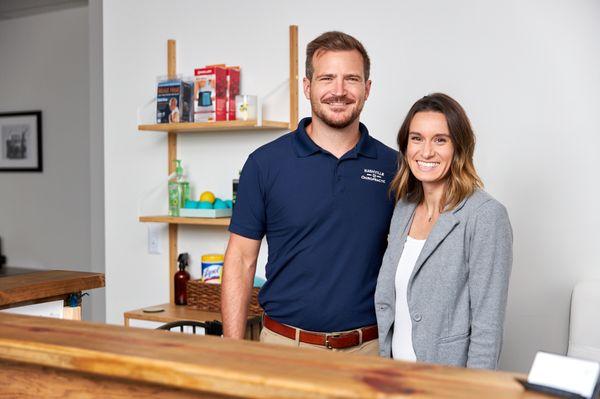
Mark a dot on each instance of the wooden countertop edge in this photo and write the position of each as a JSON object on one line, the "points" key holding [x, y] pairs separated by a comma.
{"points": [[227, 367], [168, 373], [32, 288]]}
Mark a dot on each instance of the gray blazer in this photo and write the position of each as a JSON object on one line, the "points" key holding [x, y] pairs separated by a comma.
{"points": [[457, 290]]}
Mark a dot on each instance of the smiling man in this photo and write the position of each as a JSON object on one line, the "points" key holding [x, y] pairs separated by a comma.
{"points": [[320, 195]]}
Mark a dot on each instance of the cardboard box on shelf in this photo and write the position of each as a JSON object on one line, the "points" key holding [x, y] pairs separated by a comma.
{"points": [[210, 93], [233, 89], [173, 101]]}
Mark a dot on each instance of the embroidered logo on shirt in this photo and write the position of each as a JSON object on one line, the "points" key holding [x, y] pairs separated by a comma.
{"points": [[373, 175]]}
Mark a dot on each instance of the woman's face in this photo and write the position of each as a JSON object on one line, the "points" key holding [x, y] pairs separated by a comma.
{"points": [[430, 150]]}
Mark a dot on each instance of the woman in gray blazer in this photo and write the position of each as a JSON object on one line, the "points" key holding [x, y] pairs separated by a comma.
{"points": [[442, 287]]}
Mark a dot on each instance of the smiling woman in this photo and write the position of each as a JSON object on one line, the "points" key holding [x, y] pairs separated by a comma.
{"points": [[442, 287], [429, 150], [436, 126]]}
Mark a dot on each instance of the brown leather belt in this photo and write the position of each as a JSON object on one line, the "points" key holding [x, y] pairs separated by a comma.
{"points": [[331, 341]]}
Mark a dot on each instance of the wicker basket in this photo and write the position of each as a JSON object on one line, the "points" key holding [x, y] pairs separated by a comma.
{"points": [[207, 297]]}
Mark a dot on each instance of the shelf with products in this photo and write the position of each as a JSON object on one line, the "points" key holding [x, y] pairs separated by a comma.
{"points": [[202, 127], [186, 220], [174, 129]]}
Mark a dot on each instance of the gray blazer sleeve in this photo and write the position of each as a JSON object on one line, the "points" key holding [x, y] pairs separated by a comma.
{"points": [[490, 262]]}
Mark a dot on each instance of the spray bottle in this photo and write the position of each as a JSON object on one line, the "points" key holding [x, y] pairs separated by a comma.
{"points": [[179, 190], [181, 278]]}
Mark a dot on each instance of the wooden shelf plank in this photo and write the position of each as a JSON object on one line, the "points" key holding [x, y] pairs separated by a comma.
{"points": [[181, 220], [200, 127]]}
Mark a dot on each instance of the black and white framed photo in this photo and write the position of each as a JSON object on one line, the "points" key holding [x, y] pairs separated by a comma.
{"points": [[21, 141]]}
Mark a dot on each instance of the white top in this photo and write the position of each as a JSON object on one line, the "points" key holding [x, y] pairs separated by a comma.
{"points": [[402, 347]]}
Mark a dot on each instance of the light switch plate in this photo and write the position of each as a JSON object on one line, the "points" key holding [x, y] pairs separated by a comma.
{"points": [[154, 239]]}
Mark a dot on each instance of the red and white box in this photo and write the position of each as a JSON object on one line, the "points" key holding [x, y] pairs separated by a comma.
{"points": [[233, 89], [210, 93]]}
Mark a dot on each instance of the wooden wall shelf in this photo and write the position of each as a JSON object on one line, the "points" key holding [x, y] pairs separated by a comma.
{"points": [[203, 127], [181, 220], [172, 131]]}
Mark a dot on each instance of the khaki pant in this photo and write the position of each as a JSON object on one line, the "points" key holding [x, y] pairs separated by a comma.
{"points": [[369, 348]]}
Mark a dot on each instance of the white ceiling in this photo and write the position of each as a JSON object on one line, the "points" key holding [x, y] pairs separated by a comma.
{"points": [[20, 8]]}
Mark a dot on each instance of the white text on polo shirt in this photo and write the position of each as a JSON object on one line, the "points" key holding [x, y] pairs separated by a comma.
{"points": [[373, 175]]}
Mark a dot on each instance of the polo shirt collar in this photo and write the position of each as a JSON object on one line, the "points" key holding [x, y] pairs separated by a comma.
{"points": [[305, 147], [303, 144], [366, 145]]}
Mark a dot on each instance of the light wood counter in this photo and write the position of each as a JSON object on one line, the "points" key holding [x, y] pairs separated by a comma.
{"points": [[172, 312], [43, 285], [58, 358]]}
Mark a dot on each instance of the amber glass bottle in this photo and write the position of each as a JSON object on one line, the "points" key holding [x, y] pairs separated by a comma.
{"points": [[181, 278]]}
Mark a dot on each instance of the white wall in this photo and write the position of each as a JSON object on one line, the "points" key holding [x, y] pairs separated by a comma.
{"points": [[45, 217], [97, 301], [526, 72]]}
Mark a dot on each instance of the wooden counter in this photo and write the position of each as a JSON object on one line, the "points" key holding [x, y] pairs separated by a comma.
{"points": [[42, 357], [43, 285], [172, 312]]}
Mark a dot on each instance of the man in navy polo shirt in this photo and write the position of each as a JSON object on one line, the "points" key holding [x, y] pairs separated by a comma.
{"points": [[320, 195]]}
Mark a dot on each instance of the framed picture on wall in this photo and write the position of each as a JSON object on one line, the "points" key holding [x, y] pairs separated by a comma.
{"points": [[21, 141]]}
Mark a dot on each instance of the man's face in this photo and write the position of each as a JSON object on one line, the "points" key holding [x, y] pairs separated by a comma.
{"points": [[338, 90]]}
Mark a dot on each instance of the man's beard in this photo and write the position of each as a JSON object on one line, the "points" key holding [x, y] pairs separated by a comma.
{"points": [[317, 109]]}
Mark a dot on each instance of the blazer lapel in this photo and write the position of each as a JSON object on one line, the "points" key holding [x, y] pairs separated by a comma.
{"points": [[398, 240], [442, 228]]}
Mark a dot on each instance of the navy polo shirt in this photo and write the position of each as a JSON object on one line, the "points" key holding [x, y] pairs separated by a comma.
{"points": [[326, 221]]}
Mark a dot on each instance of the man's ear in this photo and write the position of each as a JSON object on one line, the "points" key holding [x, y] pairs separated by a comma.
{"points": [[367, 88], [306, 87]]}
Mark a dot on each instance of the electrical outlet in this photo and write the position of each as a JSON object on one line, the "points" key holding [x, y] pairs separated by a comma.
{"points": [[153, 239]]}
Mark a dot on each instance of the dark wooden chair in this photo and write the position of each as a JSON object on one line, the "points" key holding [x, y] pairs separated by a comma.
{"points": [[210, 327]]}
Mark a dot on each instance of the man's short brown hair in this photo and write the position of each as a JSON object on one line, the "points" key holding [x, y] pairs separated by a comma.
{"points": [[335, 41]]}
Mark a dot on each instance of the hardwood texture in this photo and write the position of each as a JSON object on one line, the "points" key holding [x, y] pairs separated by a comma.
{"points": [[174, 312], [72, 313], [172, 152], [171, 58], [293, 77], [21, 380], [173, 242], [171, 167], [202, 127], [46, 284], [181, 220], [212, 365]]}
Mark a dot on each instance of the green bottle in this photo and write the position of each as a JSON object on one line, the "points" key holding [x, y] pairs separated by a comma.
{"points": [[179, 190]]}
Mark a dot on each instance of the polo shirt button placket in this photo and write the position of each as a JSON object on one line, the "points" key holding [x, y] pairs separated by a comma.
{"points": [[337, 179]]}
